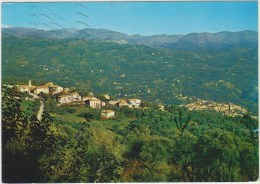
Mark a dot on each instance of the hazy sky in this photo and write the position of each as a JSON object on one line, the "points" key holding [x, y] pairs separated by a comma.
{"points": [[145, 18]]}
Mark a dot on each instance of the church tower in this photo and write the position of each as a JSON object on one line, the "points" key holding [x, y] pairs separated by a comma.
{"points": [[30, 83]]}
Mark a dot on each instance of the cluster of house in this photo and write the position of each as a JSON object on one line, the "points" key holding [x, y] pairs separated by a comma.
{"points": [[94, 102], [70, 97], [227, 109], [131, 103], [47, 88]]}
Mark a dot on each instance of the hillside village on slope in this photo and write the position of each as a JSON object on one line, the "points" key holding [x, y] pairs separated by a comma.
{"points": [[68, 97]]}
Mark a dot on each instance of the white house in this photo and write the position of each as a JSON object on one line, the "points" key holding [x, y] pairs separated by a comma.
{"points": [[38, 89], [122, 103], [103, 104], [134, 102], [75, 96], [107, 114], [94, 102], [113, 102], [54, 89], [64, 99], [23, 88]]}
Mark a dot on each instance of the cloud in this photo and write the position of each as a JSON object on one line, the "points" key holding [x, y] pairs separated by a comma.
{"points": [[6, 26], [7, 4]]}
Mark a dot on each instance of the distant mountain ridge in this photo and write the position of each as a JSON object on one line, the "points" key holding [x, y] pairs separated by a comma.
{"points": [[220, 40]]}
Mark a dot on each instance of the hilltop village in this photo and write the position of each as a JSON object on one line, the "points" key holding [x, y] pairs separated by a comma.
{"points": [[226, 109], [66, 96]]}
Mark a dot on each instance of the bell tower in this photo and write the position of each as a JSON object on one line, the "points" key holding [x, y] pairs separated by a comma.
{"points": [[30, 83]]}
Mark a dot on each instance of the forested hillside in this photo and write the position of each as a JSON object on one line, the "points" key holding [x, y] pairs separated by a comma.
{"points": [[125, 70]]}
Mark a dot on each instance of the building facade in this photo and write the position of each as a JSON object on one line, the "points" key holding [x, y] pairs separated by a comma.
{"points": [[134, 102], [94, 103], [107, 114], [44, 89]]}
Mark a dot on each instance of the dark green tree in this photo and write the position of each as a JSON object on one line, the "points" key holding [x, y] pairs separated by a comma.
{"points": [[25, 140], [180, 122]]}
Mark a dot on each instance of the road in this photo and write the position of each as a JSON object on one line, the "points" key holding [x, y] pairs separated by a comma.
{"points": [[34, 95], [40, 112]]}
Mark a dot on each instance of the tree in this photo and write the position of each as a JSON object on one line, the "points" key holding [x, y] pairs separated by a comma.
{"points": [[248, 161], [184, 155], [180, 123], [146, 156], [218, 156], [25, 140], [92, 155]]}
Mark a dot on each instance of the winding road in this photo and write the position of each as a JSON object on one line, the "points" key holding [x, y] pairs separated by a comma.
{"points": [[40, 112]]}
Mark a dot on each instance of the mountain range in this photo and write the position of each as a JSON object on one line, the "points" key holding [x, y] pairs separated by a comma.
{"points": [[192, 41]]}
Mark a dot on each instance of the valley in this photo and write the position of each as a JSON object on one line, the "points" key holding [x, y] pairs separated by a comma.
{"points": [[158, 75]]}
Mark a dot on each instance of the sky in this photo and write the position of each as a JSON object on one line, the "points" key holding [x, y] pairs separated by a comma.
{"points": [[144, 18]]}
